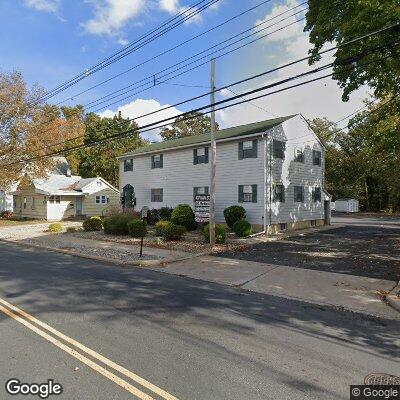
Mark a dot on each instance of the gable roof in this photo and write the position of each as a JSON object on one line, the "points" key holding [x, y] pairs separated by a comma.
{"points": [[237, 131]]}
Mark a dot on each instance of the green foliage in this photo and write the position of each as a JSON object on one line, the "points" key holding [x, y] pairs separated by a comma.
{"points": [[242, 228], [137, 228], [93, 224], [340, 21], [117, 224], [102, 160], [174, 232], [184, 215], [220, 233], [161, 226], [183, 127], [166, 213], [55, 227], [153, 216], [233, 214]]}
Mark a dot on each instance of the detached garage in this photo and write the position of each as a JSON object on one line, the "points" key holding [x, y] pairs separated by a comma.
{"points": [[346, 205]]}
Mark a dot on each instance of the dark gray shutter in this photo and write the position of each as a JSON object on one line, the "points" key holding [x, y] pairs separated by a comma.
{"points": [[161, 160], [255, 148], [195, 159], [240, 150], [283, 194], [206, 155], [194, 193], [152, 162], [254, 197], [207, 190], [241, 194]]}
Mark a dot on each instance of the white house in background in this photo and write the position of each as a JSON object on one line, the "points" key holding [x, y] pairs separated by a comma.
{"points": [[6, 198], [346, 205], [61, 196], [273, 168]]}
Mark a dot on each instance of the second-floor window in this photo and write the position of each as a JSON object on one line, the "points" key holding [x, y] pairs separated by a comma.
{"points": [[157, 195], [247, 193], [200, 156], [317, 157], [248, 149], [157, 161], [128, 165], [316, 194], [299, 194], [298, 155], [279, 193], [278, 148]]}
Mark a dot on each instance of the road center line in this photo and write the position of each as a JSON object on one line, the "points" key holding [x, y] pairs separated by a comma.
{"points": [[155, 389]]}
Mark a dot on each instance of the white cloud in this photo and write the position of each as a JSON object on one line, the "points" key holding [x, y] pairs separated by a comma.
{"points": [[123, 42], [44, 5], [140, 107], [319, 99], [171, 6]]}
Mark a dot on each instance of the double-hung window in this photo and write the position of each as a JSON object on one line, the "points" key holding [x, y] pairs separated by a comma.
{"points": [[299, 194], [25, 202], [247, 193], [201, 191], [128, 165], [279, 193], [248, 149], [298, 155], [101, 199], [316, 194], [317, 157], [157, 161], [157, 195], [278, 148], [54, 199], [200, 156]]}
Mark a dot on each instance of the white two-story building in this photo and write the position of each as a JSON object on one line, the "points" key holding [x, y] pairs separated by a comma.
{"points": [[273, 168]]}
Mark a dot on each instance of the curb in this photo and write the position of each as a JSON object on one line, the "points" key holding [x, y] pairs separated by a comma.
{"points": [[393, 299], [142, 264]]}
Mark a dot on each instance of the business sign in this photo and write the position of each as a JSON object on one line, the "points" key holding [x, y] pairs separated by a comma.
{"points": [[202, 208]]}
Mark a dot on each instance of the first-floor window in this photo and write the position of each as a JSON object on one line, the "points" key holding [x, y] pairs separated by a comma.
{"points": [[25, 202], [247, 193], [33, 203], [156, 195], [202, 190], [54, 199], [101, 199], [279, 193], [299, 194], [316, 194]]}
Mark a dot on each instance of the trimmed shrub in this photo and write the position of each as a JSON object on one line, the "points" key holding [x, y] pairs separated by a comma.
{"points": [[233, 214], [117, 224], [161, 226], [73, 229], [166, 213], [56, 227], [93, 224], [153, 216], [242, 228], [220, 233], [137, 228], [183, 215], [6, 214], [174, 232]]}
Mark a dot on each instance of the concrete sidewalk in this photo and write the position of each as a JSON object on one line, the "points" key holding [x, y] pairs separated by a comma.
{"points": [[356, 293]]}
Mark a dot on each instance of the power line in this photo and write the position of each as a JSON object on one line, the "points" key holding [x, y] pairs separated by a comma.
{"points": [[155, 125], [130, 49]]}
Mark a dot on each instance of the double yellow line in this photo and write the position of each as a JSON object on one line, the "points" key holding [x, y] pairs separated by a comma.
{"points": [[54, 336]]}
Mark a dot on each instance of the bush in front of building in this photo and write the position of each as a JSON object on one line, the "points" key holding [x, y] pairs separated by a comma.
{"points": [[6, 214], [183, 215], [233, 214], [161, 226], [93, 224], [153, 216], [118, 224], [242, 228], [220, 233], [56, 227], [166, 213], [137, 228], [174, 232]]}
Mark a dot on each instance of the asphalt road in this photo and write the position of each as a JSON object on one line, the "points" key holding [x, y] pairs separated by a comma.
{"points": [[193, 339]]}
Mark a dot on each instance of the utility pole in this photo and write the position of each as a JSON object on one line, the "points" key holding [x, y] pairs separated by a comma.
{"points": [[213, 157]]}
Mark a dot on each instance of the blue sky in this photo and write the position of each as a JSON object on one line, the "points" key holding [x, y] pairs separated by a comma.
{"points": [[50, 41]]}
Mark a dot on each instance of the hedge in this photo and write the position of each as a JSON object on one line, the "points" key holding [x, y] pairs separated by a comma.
{"points": [[137, 228], [183, 215], [93, 224], [233, 214], [220, 233], [242, 228]]}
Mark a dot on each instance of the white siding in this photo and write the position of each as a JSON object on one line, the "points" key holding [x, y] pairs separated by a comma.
{"points": [[179, 176]]}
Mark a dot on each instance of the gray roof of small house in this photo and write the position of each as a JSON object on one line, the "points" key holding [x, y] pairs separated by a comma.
{"points": [[83, 183], [237, 131]]}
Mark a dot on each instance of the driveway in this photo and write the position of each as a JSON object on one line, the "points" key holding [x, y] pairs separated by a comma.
{"points": [[349, 266]]}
